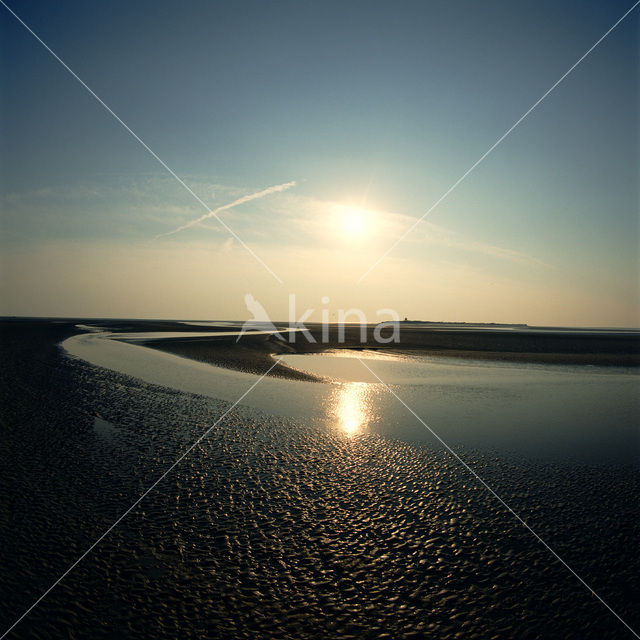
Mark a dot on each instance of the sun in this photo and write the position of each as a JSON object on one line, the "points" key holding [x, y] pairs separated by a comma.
{"points": [[353, 223]]}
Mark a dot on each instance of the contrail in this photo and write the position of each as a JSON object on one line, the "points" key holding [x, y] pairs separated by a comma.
{"points": [[235, 203]]}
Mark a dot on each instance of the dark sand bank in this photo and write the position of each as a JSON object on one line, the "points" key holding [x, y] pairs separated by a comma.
{"points": [[254, 354], [251, 354]]}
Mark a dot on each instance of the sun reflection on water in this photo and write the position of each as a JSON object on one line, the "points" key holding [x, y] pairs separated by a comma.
{"points": [[351, 407]]}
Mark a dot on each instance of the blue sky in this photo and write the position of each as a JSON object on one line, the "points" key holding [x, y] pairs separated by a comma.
{"points": [[370, 104]]}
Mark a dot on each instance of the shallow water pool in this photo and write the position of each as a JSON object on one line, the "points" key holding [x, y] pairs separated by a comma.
{"points": [[547, 411]]}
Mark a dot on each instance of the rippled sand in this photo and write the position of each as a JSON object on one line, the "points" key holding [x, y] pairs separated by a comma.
{"points": [[273, 528]]}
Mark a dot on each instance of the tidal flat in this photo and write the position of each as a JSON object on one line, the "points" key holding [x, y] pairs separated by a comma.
{"points": [[280, 527]]}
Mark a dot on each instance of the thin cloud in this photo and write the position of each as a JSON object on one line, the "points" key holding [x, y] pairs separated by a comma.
{"points": [[310, 219], [437, 235], [214, 214]]}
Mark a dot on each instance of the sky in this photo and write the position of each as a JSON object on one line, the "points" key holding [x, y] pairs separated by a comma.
{"points": [[351, 119]]}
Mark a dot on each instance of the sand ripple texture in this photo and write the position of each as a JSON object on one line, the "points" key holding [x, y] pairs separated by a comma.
{"points": [[273, 529]]}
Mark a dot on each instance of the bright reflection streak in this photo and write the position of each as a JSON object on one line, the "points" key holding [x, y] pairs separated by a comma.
{"points": [[351, 407]]}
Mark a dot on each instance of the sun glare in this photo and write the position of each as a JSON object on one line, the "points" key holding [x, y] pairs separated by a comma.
{"points": [[353, 223]]}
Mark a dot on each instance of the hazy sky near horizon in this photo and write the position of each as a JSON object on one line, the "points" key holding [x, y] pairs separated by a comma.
{"points": [[373, 109]]}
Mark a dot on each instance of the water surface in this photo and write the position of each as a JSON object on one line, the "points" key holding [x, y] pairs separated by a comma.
{"points": [[551, 411]]}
